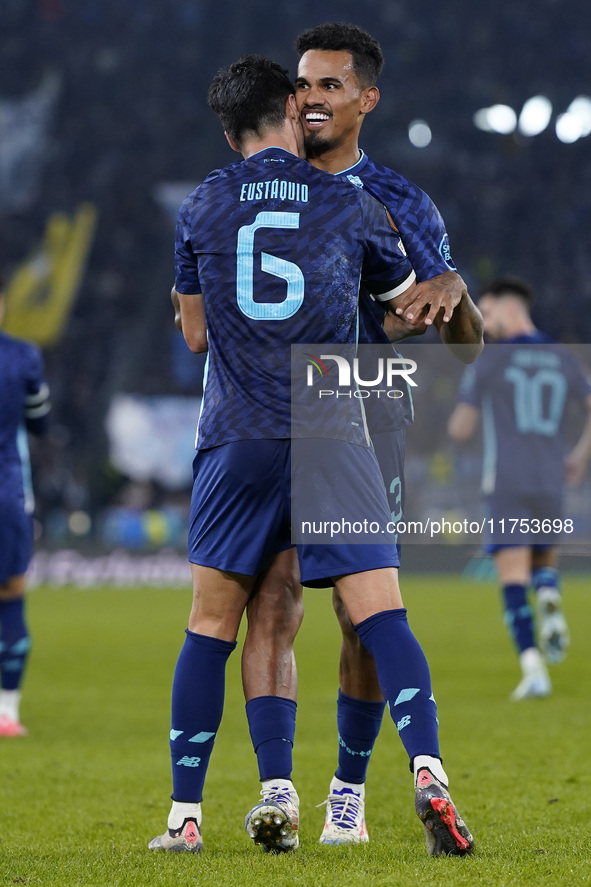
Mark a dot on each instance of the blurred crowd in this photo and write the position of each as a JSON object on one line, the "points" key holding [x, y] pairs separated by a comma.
{"points": [[125, 113]]}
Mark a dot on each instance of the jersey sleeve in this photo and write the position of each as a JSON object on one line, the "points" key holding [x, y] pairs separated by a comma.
{"points": [[470, 390], [386, 271], [186, 272], [37, 405], [579, 381], [423, 233]]}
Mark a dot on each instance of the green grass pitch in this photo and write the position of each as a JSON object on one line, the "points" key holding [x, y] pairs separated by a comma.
{"points": [[84, 792]]}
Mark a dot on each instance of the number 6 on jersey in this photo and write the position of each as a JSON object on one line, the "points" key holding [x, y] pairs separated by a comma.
{"points": [[287, 271]]}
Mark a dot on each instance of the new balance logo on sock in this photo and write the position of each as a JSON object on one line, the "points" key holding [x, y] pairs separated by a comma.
{"points": [[402, 723], [188, 762]]}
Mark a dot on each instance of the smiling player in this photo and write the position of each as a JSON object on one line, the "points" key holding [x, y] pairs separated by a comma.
{"points": [[335, 90]]}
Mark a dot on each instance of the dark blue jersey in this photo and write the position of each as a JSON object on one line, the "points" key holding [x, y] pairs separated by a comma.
{"points": [[427, 245], [522, 387], [279, 250], [24, 405]]}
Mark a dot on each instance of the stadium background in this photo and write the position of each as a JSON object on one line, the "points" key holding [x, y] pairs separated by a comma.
{"points": [[104, 128]]}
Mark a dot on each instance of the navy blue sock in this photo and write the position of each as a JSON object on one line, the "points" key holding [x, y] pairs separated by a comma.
{"points": [[271, 721], [404, 679], [197, 705], [15, 643], [518, 616], [359, 723], [545, 577]]}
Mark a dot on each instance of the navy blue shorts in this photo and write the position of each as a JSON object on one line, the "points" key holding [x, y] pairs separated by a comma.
{"points": [[16, 539], [242, 507], [390, 448], [515, 520], [340, 512]]}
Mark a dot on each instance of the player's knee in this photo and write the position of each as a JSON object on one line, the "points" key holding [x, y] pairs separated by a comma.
{"points": [[277, 609], [12, 588], [349, 634], [275, 619]]}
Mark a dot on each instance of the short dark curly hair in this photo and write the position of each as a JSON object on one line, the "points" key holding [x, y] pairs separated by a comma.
{"points": [[250, 96], [508, 285], [368, 58]]}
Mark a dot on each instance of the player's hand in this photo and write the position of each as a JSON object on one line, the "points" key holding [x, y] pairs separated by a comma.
{"points": [[398, 328], [575, 468], [432, 298]]}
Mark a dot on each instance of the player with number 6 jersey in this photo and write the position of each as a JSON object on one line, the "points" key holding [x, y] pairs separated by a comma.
{"points": [[234, 235], [271, 252]]}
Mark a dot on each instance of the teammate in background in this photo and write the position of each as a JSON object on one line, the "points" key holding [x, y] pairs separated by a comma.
{"points": [[241, 470], [24, 405], [522, 387], [335, 90]]}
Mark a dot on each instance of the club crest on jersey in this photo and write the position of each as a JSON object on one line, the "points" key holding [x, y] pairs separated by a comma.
{"points": [[355, 180]]}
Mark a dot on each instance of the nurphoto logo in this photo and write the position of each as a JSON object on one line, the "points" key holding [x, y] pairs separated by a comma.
{"points": [[382, 375]]}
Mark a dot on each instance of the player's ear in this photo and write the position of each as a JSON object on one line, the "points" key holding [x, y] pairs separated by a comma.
{"points": [[233, 145], [291, 108], [369, 99]]}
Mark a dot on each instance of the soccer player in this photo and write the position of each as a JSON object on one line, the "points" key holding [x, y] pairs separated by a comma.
{"points": [[270, 252], [335, 90], [24, 405], [522, 386]]}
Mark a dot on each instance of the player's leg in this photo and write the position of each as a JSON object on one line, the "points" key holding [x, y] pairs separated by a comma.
{"points": [[374, 605], [360, 708], [275, 612], [553, 632], [237, 486], [513, 565], [365, 573], [219, 600], [16, 544], [15, 643], [360, 704]]}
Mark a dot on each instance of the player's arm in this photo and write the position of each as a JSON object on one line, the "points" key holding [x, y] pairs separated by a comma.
{"points": [[186, 294], [398, 328], [463, 422], [389, 293], [37, 408], [464, 328], [174, 298], [192, 317], [441, 298], [577, 460], [418, 305], [444, 301], [37, 404], [465, 417]]}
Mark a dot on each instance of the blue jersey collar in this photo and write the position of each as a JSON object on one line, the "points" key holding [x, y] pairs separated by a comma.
{"points": [[272, 148], [357, 167]]}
